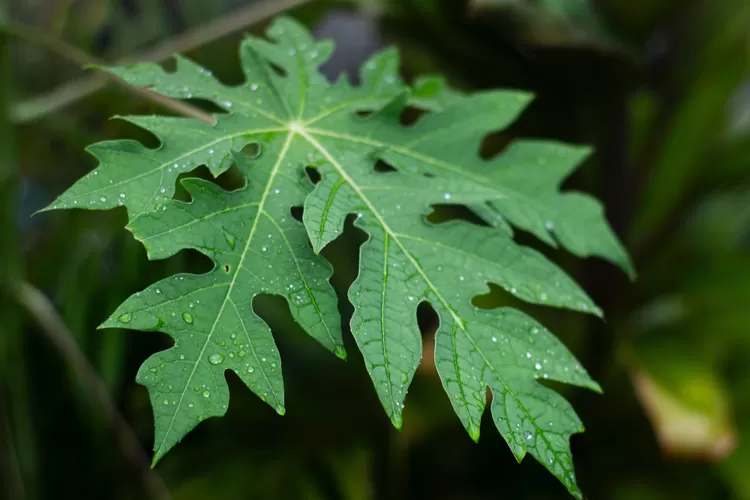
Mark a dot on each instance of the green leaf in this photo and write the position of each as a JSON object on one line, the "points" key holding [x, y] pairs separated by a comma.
{"points": [[299, 120]]}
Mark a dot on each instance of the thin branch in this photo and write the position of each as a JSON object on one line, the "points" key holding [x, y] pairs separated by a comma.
{"points": [[65, 95], [81, 58], [52, 325], [40, 38]]}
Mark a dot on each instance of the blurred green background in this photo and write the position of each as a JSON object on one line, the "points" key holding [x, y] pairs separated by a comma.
{"points": [[661, 89]]}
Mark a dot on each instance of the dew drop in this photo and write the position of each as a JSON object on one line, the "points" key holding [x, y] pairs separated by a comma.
{"points": [[206, 394], [216, 359], [494, 339], [527, 435], [103, 199], [447, 196], [538, 366], [188, 318], [125, 318]]}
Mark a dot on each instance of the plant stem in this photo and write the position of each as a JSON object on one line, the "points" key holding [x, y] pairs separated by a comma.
{"points": [[40, 308], [18, 471], [81, 58], [37, 107]]}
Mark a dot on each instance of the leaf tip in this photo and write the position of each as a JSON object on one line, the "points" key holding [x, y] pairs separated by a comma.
{"points": [[524, 98], [629, 269], [474, 432], [340, 352], [594, 386], [281, 410], [158, 455], [48, 208], [396, 420]]}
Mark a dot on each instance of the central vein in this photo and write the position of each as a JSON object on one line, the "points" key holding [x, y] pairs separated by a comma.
{"points": [[227, 297], [342, 172]]}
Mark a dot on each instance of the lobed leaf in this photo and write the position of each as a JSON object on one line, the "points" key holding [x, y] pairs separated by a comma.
{"points": [[299, 120]]}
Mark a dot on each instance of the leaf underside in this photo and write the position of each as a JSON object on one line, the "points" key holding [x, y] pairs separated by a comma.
{"points": [[298, 119]]}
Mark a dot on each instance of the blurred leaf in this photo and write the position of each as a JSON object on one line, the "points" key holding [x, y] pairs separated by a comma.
{"points": [[693, 422], [717, 63]]}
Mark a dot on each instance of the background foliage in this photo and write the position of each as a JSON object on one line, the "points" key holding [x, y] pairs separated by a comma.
{"points": [[659, 88]]}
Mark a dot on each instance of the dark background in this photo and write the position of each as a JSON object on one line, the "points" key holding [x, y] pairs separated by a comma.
{"points": [[661, 89]]}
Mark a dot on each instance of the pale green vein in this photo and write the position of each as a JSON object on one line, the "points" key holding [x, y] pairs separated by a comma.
{"points": [[252, 349], [456, 318], [329, 204], [196, 221], [343, 173], [304, 279], [185, 155], [227, 297], [456, 169], [386, 365]]}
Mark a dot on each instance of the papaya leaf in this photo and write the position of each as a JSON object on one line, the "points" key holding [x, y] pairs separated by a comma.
{"points": [[298, 120]]}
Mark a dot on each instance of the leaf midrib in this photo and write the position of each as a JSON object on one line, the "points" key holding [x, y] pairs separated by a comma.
{"points": [[393, 235], [484, 180], [227, 297], [191, 152], [305, 132]]}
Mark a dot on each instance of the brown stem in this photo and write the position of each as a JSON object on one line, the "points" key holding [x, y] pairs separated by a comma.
{"points": [[52, 325], [68, 93], [81, 58]]}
